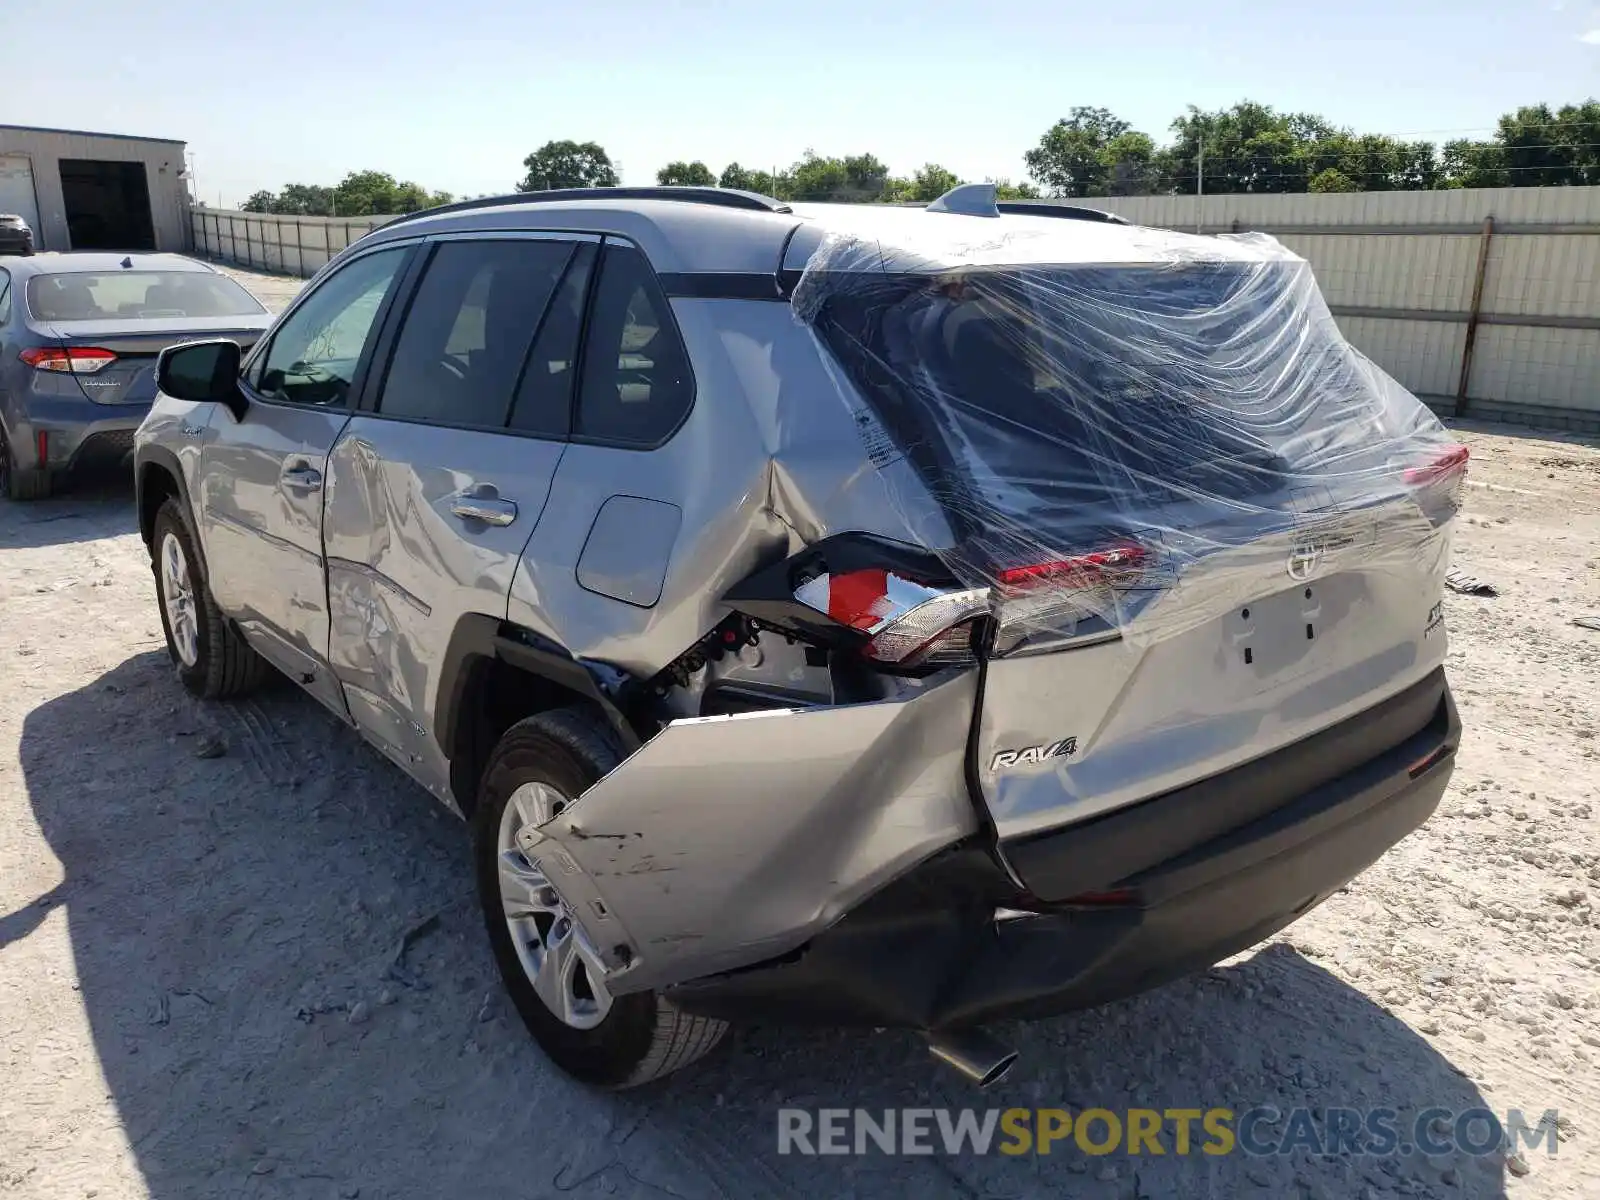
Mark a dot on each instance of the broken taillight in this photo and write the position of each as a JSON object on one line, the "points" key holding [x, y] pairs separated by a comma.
{"points": [[907, 623], [1099, 568], [1452, 464], [1439, 484]]}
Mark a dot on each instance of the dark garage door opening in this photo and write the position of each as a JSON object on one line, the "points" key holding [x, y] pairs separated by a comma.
{"points": [[108, 205]]}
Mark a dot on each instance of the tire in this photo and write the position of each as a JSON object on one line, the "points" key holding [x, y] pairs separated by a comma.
{"points": [[223, 663], [18, 483], [641, 1036]]}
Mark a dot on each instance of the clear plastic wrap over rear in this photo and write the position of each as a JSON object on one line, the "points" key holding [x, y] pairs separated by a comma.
{"points": [[1129, 430]]}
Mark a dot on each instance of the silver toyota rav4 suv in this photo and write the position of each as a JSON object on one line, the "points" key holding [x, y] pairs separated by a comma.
{"points": [[874, 616]]}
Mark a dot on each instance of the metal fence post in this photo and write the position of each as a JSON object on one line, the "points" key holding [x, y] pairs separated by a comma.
{"points": [[1473, 313]]}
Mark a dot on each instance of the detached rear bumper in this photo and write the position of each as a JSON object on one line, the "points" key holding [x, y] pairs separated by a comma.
{"points": [[1183, 880]]}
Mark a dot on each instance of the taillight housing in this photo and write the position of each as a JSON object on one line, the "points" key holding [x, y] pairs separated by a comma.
{"points": [[73, 360], [1440, 483], [1075, 596], [908, 624]]}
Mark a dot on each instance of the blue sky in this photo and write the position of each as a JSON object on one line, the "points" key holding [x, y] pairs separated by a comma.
{"points": [[454, 94]]}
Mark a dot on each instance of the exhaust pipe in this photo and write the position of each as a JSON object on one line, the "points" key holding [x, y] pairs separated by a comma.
{"points": [[972, 1052]]}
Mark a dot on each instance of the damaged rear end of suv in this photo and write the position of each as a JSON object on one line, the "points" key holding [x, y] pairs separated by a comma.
{"points": [[1142, 661]]}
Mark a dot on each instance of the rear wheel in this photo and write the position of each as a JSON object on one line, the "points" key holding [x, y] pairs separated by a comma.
{"points": [[20, 483], [549, 965], [212, 659]]}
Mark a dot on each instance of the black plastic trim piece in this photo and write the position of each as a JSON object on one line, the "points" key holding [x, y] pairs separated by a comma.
{"points": [[161, 457], [1069, 212], [720, 197], [477, 636], [720, 285]]}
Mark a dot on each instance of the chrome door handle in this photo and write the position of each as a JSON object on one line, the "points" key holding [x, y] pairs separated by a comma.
{"points": [[489, 508], [303, 477]]}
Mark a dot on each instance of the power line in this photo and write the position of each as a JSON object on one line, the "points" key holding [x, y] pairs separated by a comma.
{"points": [[1491, 129]]}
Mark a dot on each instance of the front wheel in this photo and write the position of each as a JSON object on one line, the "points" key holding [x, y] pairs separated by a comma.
{"points": [[212, 658], [550, 968]]}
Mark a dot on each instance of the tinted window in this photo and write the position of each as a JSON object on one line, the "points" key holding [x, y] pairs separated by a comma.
{"points": [[137, 296], [314, 354], [468, 330], [636, 381], [544, 398], [5, 297]]}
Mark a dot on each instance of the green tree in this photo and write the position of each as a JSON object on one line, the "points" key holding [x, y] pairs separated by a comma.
{"points": [[854, 179], [764, 182], [568, 164], [361, 193], [1070, 159], [735, 176], [928, 184], [1004, 189], [1131, 165], [259, 202], [1466, 163], [686, 174], [1331, 179], [1540, 147], [304, 199]]}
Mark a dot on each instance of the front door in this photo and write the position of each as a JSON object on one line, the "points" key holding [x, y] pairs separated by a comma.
{"points": [[262, 478], [436, 488]]}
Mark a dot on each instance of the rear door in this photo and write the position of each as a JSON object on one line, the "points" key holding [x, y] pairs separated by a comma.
{"points": [[261, 479], [435, 488]]}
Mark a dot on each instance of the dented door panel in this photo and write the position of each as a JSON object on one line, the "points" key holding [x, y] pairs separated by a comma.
{"points": [[404, 567], [727, 840]]}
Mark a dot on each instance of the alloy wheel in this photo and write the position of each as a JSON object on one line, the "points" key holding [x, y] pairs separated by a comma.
{"points": [[554, 952], [177, 593]]}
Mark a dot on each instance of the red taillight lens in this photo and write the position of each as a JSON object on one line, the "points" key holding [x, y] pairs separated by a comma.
{"points": [[76, 360], [1451, 464], [908, 623], [1081, 570]]}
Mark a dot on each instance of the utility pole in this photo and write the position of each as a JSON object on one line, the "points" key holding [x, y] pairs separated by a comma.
{"points": [[1200, 185]]}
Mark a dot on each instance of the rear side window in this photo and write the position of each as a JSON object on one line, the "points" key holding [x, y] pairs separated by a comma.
{"points": [[469, 328], [637, 387], [544, 397], [5, 297], [137, 296]]}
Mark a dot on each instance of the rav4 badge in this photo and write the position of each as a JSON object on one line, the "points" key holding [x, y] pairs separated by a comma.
{"points": [[1034, 754]]}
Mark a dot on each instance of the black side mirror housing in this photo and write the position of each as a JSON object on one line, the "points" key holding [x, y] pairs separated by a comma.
{"points": [[205, 372]]}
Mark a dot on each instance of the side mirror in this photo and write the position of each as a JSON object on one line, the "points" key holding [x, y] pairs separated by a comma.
{"points": [[205, 372]]}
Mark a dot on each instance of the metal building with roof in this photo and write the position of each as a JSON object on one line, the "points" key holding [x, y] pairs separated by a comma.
{"points": [[95, 191]]}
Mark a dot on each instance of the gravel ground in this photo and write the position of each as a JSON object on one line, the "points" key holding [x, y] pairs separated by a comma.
{"points": [[200, 909]]}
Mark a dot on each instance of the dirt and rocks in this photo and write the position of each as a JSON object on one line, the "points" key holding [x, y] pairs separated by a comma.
{"points": [[240, 954]]}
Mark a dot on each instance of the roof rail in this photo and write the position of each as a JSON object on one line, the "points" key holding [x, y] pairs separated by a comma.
{"points": [[720, 197], [1070, 212]]}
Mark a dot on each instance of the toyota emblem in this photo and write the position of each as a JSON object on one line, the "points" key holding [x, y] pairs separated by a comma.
{"points": [[1304, 559]]}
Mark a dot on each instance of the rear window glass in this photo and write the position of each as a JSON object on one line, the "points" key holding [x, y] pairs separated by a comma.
{"points": [[137, 296], [1064, 390]]}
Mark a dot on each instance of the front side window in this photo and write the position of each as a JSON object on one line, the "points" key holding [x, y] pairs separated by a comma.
{"points": [[315, 352], [467, 332], [637, 387]]}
